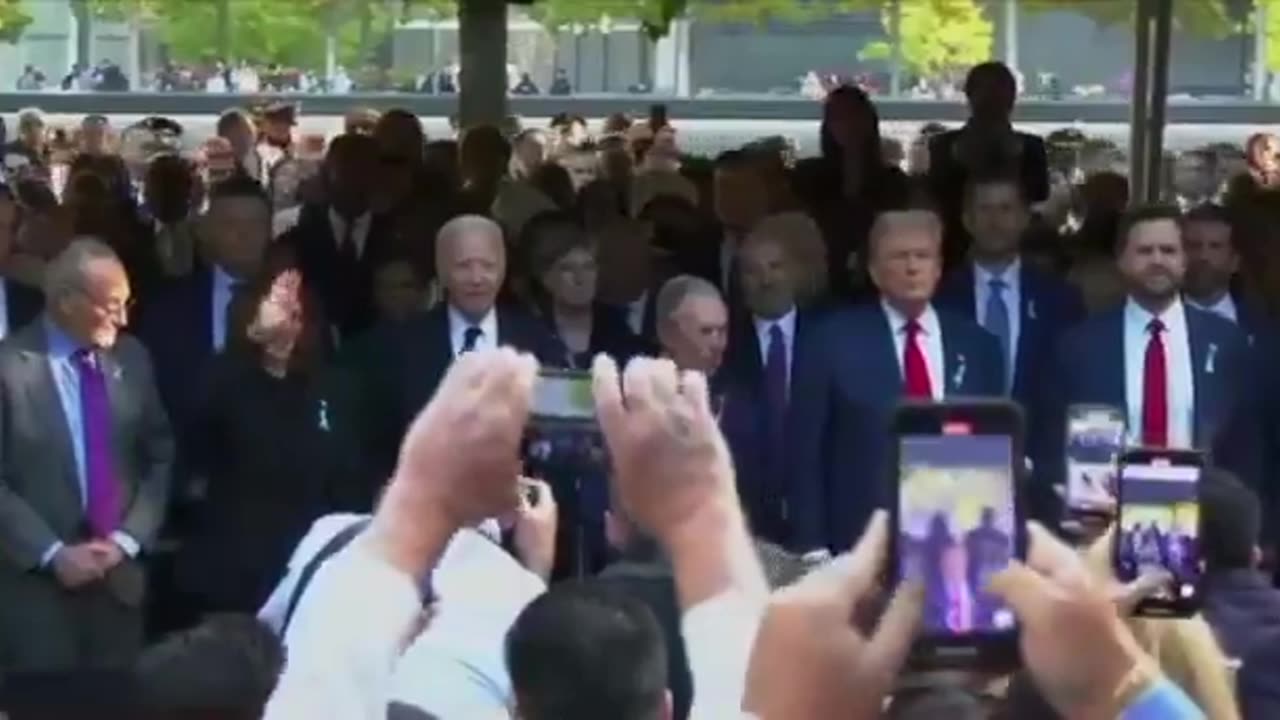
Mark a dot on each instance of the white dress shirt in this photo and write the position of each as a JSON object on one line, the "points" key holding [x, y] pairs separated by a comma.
{"points": [[456, 668], [635, 313], [222, 291], [344, 644], [929, 337], [4, 309], [1224, 307], [458, 325], [359, 232], [1178, 371], [787, 323], [1012, 277]]}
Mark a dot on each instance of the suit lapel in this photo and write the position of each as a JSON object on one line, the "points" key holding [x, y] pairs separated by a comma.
{"points": [[1205, 360], [955, 360], [1113, 388], [1029, 321], [46, 401]]}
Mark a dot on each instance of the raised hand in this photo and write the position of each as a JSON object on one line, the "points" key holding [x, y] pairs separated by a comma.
{"points": [[669, 458], [459, 463]]}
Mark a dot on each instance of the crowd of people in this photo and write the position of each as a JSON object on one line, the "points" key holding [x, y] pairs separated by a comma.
{"points": [[212, 365]]}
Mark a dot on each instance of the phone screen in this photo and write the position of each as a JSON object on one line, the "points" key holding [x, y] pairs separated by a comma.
{"points": [[1095, 438], [956, 527], [564, 396], [1159, 527]]}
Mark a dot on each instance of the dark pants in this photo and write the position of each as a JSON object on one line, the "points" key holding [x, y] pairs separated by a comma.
{"points": [[47, 628]]}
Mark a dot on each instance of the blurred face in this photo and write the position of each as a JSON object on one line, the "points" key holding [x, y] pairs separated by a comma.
{"points": [[95, 313], [582, 167], [397, 291], [996, 217], [849, 121], [473, 269], [906, 259], [741, 198], [1153, 261], [768, 279], [696, 334], [571, 280], [350, 181], [991, 99], [241, 136], [93, 136], [531, 151], [32, 133], [239, 230], [1211, 258]]}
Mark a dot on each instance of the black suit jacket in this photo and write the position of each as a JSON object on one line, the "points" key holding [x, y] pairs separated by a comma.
{"points": [[413, 357], [176, 326], [346, 293], [24, 304]]}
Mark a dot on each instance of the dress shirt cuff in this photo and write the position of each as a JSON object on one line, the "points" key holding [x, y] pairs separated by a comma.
{"points": [[126, 543], [719, 635], [47, 558], [1162, 701]]}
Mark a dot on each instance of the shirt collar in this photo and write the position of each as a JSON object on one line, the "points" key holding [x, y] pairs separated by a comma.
{"points": [[222, 280], [1224, 306], [60, 344], [360, 223], [458, 324], [787, 322], [928, 320], [1011, 275], [1173, 316]]}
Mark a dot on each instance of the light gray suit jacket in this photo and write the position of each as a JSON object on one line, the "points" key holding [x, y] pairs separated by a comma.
{"points": [[40, 497]]}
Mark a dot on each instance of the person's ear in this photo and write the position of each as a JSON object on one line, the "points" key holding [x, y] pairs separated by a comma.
{"points": [[668, 706], [1255, 557]]}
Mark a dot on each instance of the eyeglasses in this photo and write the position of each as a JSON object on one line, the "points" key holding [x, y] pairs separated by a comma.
{"points": [[120, 309]]}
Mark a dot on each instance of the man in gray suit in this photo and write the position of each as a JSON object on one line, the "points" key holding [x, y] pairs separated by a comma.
{"points": [[85, 459]]}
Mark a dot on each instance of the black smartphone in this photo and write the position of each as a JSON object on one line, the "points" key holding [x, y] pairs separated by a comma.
{"points": [[1158, 527], [959, 518], [563, 397], [1095, 439]]}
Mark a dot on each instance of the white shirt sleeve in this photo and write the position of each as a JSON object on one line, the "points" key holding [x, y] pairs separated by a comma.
{"points": [[345, 639], [718, 636]]}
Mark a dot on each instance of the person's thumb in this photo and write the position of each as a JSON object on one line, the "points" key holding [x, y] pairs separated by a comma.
{"points": [[1024, 590]]}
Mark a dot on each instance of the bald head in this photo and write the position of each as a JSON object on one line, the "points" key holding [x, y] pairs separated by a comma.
{"points": [[472, 263], [693, 323]]}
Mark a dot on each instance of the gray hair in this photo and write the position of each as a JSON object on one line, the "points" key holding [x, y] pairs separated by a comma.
{"points": [[464, 225], [680, 288], [65, 273]]}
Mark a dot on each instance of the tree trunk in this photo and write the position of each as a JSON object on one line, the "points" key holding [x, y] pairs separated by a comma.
{"points": [[224, 31], [84, 31]]}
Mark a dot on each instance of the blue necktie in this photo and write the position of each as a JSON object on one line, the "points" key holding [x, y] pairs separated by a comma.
{"points": [[775, 373], [469, 338], [996, 321], [776, 380]]}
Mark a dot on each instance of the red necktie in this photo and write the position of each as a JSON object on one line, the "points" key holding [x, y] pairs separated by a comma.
{"points": [[1155, 390], [914, 368]]}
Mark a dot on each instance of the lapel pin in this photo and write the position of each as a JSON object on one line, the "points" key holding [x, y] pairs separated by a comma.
{"points": [[1210, 360], [957, 378], [1031, 309]]}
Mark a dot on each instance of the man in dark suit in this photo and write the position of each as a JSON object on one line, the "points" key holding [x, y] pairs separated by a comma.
{"points": [[762, 356], [87, 454], [337, 243], [859, 362], [471, 263], [987, 142], [1213, 262], [1181, 374], [186, 323], [693, 331], [1024, 308]]}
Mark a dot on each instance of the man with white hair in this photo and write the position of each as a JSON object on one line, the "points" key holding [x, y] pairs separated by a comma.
{"points": [[471, 265], [87, 454]]}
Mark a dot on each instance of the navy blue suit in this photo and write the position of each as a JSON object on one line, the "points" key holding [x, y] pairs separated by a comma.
{"points": [[176, 326], [743, 413], [1090, 368], [1048, 307], [1263, 342], [846, 386], [23, 304]]}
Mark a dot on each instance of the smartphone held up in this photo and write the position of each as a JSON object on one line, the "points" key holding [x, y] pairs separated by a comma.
{"points": [[958, 519]]}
